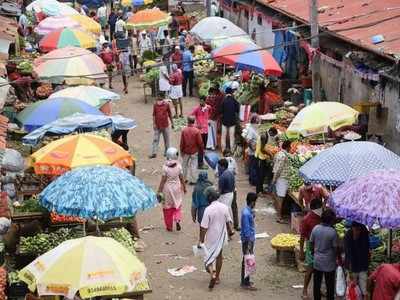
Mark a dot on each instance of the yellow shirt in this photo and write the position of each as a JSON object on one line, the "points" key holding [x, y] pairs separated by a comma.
{"points": [[259, 154]]}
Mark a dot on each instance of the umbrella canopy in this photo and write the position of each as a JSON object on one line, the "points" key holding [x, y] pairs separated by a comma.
{"points": [[65, 37], [11, 160], [346, 161], [92, 95], [227, 41], [214, 28], [53, 23], [104, 192], [247, 56], [69, 63], [148, 18], [80, 150], [135, 3], [318, 117], [97, 266], [370, 199], [51, 8], [87, 23], [78, 122], [43, 112]]}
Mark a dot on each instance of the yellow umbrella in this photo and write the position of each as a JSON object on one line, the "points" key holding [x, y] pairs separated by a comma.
{"points": [[79, 150], [92, 266], [87, 23], [318, 117]]}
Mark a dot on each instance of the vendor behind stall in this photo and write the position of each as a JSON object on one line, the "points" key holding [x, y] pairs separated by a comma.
{"points": [[309, 192]]}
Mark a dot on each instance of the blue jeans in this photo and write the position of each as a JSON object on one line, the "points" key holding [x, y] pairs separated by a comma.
{"points": [[188, 77]]}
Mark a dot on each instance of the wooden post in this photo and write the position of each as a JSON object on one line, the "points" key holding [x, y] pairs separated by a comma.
{"points": [[315, 67]]}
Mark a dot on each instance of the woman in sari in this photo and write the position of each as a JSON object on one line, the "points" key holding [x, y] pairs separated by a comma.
{"points": [[172, 186]]}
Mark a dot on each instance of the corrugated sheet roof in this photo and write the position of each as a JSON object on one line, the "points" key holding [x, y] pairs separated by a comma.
{"points": [[355, 20]]}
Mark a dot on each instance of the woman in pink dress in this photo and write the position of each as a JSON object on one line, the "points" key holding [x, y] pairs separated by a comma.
{"points": [[172, 186]]}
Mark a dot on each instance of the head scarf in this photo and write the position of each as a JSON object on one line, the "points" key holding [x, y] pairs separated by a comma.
{"points": [[202, 182]]}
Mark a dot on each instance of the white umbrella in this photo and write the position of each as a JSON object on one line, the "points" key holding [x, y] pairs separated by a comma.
{"points": [[4, 88]]}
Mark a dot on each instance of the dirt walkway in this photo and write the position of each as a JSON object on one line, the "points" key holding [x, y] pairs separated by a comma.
{"points": [[274, 282]]}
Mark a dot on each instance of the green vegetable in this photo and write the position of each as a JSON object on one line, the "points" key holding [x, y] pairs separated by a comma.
{"points": [[30, 205], [152, 74], [122, 236]]}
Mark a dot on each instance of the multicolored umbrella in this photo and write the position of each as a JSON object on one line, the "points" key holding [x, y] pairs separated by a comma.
{"points": [[69, 63], [103, 192], [79, 150], [43, 112], [51, 8], [65, 37], [87, 23], [370, 199], [148, 18], [318, 117], [97, 266], [247, 56], [345, 161], [53, 23], [135, 3], [92, 95]]}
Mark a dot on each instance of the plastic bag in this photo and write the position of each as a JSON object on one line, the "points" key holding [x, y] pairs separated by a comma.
{"points": [[340, 282], [249, 265], [353, 292]]}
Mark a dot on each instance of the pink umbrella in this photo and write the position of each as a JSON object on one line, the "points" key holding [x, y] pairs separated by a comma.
{"points": [[53, 23]]}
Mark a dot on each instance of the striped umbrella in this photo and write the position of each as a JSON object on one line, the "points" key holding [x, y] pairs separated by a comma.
{"points": [[148, 18], [69, 63], [53, 23], [247, 56], [65, 37], [87, 23], [135, 3], [43, 112]]}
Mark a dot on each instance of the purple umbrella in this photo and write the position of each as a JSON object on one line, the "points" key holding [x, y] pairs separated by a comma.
{"points": [[370, 199]]}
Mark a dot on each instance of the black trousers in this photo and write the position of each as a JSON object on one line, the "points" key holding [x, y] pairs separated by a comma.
{"points": [[123, 134], [188, 77], [247, 248], [133, 60], [264, 172], [329, 282], [235, 213], [200, 157]]}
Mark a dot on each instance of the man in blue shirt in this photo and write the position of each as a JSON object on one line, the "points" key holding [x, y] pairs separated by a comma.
{"points": [[248, 236], [187, 66]]}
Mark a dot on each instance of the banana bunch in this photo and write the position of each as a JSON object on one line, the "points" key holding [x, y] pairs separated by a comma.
{"points": [[285, 240]]}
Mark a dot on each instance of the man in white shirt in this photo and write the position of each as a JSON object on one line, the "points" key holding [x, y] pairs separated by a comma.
{"points": [[102, 16], [120, 26], [145, 44]]}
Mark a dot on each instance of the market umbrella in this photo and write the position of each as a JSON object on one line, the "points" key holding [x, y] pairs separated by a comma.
{"points": [[247, 56], [53, 23], [135, 3], [148, 18], [92, 95], [345, 161], [69, 63], [51, 8], [370, 199], [78, 122], [43, 112], [92, 266], [103, 192], [318, 117], [226, 41], [65, 37], [79, 150], [11, 160], [216, 28], [87, 23]]}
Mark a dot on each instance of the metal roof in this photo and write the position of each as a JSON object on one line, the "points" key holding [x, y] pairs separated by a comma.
{"points": [[354, 20]]}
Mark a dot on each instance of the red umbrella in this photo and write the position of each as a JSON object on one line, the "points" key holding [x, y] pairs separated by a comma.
{"points": [[247, 56]]}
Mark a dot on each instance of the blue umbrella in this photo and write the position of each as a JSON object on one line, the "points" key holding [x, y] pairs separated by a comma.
{"points": [[103, 192], [43, 112], [346, 161]]}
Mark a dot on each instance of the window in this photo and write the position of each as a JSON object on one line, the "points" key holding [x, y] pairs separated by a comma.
{"points": [[259, 20]]}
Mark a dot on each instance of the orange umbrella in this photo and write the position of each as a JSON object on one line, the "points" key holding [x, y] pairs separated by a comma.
{"points": [[148, 18]]}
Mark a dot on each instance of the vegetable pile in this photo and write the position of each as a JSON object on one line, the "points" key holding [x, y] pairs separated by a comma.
{"points": [[151, 75], [285, 240], [203, 63], [30, 205], [122, 236], [249, 92], [60, 219], [25, 67], [295, 181], [179, 123]]}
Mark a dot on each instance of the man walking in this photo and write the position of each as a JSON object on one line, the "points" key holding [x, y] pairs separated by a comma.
{"points": [[191, 146], [229, 116], [188, 75], [214, 100], [248, 236], [214, 231], [226, 184], [201, 114], [161, 117]]}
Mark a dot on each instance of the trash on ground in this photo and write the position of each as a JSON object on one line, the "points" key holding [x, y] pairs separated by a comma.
{"points": [[182, 270]]}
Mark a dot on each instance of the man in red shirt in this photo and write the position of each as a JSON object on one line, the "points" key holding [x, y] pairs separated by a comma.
{"points": [[161, 117], [385, 282], [214, 100], [107, 56], [309, 192], [191, 146], [311, 219], [176, 57]]}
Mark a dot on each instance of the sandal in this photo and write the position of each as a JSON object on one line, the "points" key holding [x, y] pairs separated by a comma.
{"points": [[212, 282]]}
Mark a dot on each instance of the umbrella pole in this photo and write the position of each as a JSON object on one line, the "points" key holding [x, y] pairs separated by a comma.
{"points": [[224, 71], [390, 244], [84, 228]]}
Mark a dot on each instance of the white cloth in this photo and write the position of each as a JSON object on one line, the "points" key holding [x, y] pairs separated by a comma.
{"points": [[163, 81], [23, 21], [215, 217], [189, 165], [102, 12], [145, 45], [227, 199], [281, 187], [212, 135], [120, 26], [176, 92]]}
